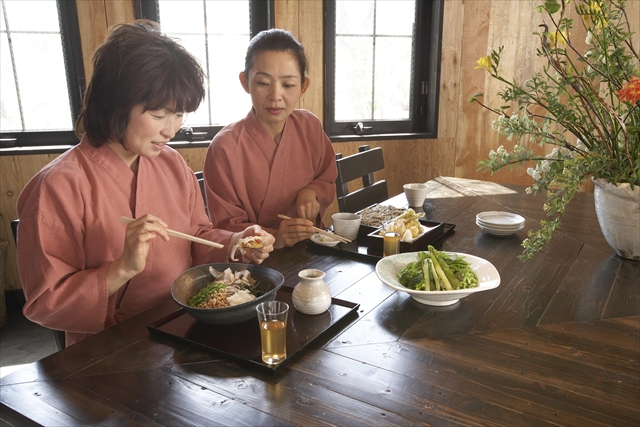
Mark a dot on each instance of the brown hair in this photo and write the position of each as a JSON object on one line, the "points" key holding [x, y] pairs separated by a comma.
{"points": [[276, 40], [137, 64]]}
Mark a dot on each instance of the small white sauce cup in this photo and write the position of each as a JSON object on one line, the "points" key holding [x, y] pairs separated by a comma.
{"points": [[416, 193], [346, 224]]}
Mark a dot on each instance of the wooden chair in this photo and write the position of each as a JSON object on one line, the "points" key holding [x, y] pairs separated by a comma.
{"points": [[58, 336], [200, 178], [360, 165]]}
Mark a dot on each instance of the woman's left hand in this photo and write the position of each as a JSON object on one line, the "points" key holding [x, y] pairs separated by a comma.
{"points": [[307, 206]]}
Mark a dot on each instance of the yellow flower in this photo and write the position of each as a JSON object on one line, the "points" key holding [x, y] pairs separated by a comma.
{"points": [[484, 62], [558, 38], [595, 15]]}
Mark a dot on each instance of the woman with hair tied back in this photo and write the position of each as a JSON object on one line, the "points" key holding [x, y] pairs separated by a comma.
{"points": [[82, 270], [277, 160]]}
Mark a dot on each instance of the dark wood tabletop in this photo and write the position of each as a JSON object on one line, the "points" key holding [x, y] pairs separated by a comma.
{"points": [[557, 343]]}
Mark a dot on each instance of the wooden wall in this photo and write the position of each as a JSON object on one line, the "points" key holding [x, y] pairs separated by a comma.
{"points": [[471, 28]]}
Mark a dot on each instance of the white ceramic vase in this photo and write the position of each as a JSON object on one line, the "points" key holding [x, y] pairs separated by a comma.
{"points": [[618, 211], [311, 295]]}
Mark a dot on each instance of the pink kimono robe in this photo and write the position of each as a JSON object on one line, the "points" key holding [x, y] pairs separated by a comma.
{"points": [[250, 179], [70, 231]]}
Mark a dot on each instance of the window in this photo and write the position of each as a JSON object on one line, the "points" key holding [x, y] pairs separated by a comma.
{"points": [[41, 74], [217, 33], [382, 60]]}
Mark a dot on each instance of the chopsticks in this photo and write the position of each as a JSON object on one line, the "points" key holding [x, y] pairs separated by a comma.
{"points": [[323, 232], [180, 235]]}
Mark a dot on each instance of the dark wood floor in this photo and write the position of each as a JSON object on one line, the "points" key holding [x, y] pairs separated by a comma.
{"points": [[22, 341]]}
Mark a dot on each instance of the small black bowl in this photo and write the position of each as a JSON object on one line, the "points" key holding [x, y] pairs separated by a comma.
{"points": [[193, 280]]}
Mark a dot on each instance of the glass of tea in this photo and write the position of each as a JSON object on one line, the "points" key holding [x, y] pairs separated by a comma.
{"points": [[272, 316], [391, 233]]}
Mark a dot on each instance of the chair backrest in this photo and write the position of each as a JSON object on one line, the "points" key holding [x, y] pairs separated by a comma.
{"points": [[58, 336], [200, 178], [14, 230], [360, 165]]}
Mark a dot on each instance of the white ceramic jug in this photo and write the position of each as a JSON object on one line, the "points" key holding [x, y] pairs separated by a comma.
{"points": [[311, 295]]}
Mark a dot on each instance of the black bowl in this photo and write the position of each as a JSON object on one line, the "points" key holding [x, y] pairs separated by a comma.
{"points": [[193, 280]]}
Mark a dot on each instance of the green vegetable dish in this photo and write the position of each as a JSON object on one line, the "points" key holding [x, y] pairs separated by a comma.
{"points": [[206, 294], [437, 271]]}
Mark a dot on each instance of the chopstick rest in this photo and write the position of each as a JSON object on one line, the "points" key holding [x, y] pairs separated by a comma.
{"points": [[180, 235], [323, 232]]}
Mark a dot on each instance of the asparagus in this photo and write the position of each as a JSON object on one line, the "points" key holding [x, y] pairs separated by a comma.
{"points": [[435, 256], [440, 274], [437, 283]]}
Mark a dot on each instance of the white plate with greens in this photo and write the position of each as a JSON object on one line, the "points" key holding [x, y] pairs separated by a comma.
{"points": [[388, 269]]}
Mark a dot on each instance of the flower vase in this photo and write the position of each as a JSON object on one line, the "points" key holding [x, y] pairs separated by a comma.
{"points": [[618, 212], [311, 295]]}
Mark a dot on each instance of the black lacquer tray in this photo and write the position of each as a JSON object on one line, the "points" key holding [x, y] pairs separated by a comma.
{"points": [[241, 341], [362, 249]]}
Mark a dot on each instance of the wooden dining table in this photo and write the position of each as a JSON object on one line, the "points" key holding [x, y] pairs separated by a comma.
{"points": [[556, 343]]}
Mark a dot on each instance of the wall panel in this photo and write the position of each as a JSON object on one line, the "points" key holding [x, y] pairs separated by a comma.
{"points": [[92, 20], [118, 11], [310, 34]]}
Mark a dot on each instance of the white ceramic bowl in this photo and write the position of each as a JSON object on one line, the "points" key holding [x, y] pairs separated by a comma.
{"points": [[323, 240], [416, 193], [388, 268], [346, 224]]}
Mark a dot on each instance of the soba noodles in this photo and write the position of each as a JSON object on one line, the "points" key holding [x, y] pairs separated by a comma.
{"points": [[375, 216]]}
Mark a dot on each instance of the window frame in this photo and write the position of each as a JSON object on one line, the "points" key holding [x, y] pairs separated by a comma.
{"points": [[72, 51], [149, 9], [423, 121]]}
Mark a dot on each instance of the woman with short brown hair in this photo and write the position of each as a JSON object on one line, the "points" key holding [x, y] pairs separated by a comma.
{"points": [[82, 270]]}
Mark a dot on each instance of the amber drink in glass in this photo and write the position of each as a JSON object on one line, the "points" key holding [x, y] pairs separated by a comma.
{"points": [[391, 237], [272, 317]]}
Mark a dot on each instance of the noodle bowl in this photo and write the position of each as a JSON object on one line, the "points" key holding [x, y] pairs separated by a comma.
{"points": [[193, 280]]}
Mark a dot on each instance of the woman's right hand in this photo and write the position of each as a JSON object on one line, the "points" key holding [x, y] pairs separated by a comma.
{"points": [[254, 255], [138, 237]]}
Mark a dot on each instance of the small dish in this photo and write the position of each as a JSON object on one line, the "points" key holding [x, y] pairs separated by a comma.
{"points": [[499, 231], [500, 219], [499, 223], [323, 240], [388, 268]]}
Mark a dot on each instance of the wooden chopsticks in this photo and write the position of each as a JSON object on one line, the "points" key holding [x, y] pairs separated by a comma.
{"points": [[323, 232], [180, 235]]}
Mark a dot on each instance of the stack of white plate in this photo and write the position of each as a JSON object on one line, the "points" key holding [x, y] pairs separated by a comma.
{"points": [[499, 223]]}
